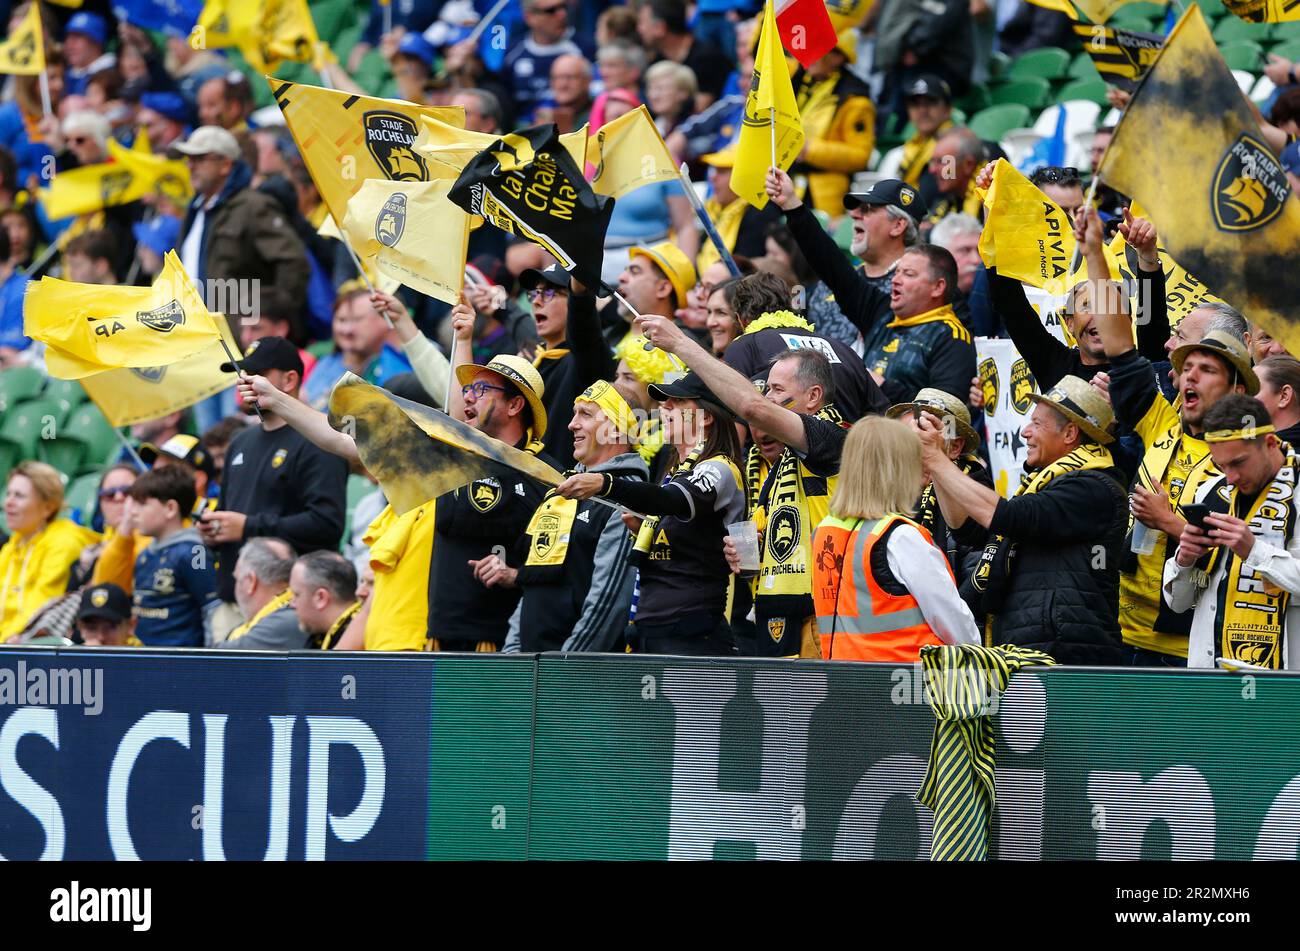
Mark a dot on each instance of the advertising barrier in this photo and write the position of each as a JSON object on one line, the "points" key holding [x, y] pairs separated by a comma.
{"points": [[184, 755]]}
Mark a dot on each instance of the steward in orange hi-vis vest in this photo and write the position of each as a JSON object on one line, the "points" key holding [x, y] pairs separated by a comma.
{"points": [[870, 615]]}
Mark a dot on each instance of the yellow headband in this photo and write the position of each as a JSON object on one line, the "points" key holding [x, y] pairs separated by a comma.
{"points": [[1228, 435], [612, 404]]}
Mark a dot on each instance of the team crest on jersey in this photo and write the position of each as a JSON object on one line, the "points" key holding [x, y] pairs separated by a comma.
{"points": [[484, 494], [989, 384], [164, 581], [1250, 187], [776, 629], [1022, 385], [390, 139], [548, 529], [391, 221], [783, 533], [163, 319], [113, 186], [150, 374], [278, 459]]}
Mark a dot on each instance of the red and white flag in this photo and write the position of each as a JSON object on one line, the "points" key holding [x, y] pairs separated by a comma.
{"points": [[805, 28]]}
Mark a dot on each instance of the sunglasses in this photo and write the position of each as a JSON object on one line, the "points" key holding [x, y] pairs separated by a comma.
{"points": [[1052, 175], [478, 388], [548, 11], [543, 295], [119, 492]]}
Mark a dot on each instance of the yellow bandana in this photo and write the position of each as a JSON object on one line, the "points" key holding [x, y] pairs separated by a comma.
{"points": [[612, 404]]}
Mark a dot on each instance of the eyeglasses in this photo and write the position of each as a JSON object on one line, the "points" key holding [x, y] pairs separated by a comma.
{"points": [[548, 11], [119, 491], [1053, 174], [78, 139], [542, 295], [478, 388]]}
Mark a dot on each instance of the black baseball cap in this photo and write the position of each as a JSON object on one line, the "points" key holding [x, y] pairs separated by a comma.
{"points": [[267, 353], [184, 447], [928, 86], [554, 275], [890, 191], [106, 601], [689, 387]]}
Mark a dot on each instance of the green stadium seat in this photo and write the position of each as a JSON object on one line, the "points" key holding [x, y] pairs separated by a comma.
{"points": [[975, 100], [66, 391], [1046, 63], [1149, 10], [18, 384], [373, 72], [1231, 30], [1244, 55], [999, 63], [996, 121], [84, 443], [1090, 90], [1288, 50], [1212, 8], [22, 429], [320, 348], [80, 497], [332, 17], [1082, 67], [1033, 93], [1136, 22]]}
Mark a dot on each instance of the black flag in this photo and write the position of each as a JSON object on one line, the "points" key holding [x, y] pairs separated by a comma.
{"points": [[527, 183], [1122, 57]]}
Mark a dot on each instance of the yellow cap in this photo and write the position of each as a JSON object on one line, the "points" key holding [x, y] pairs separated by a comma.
{"points": [[846, 41], [674, 264], [723, 158]]}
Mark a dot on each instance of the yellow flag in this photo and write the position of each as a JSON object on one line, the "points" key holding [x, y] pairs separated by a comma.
{"points": [[267, 32], [1188, 148], [412, 233], [91, 328], [628, 153], [1264, 11], [345, 139], [771, 97], [23, 53], [418, 453], [129, 177], [847, 13], [135, 394], [449, 149]]}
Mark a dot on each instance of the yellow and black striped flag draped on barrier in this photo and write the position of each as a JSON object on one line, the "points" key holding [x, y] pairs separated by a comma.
{"points": [[963, 685], [93, 328], [417, 453], [1189, 149]]}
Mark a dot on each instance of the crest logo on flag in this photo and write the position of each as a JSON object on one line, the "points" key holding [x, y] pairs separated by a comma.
{"points": [[1022, 384], [113, 185], [515, 152], [22, 54], [150, 374], [1249, 188], [754, 118], [163, 319], [783, 533], [989, 384], [484, 494], [390, 137], [391, 221]]}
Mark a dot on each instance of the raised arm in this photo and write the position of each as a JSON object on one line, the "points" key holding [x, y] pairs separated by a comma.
{"points": [[427, 361], [311, 423]]}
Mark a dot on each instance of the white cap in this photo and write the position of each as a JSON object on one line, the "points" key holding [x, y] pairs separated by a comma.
{"points": [[210, 140]]}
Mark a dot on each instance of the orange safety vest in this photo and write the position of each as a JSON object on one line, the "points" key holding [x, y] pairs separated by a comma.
{"points": [[856, 618]]}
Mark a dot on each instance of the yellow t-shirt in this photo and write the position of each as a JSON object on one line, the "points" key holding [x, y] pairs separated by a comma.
{"points": [[400, 548], [35, 568]]}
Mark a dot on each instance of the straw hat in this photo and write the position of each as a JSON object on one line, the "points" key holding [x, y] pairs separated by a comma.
{"points": [[1226, 347], [1082, 405], [519, 372], [945, 406]]}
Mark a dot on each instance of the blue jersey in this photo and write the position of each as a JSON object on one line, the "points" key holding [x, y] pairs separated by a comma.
{"points": [[175, 582]]}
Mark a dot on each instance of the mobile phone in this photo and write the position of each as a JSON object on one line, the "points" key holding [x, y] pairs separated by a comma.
{"points": [[1195, 514]]}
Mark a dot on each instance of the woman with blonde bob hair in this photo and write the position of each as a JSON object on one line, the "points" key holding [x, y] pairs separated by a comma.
{"points": [[882, 589], [36, 562]]}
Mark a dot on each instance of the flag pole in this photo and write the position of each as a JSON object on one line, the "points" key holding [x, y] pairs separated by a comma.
{"points": [[482, 24], [1078, 248], [388, 16], [45, 95], [709, 228], [771, 113], [356, 261], [135, 456], [238, 372]]}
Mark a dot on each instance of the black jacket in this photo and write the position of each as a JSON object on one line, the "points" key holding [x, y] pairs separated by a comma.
{"points": [[1062, 594], [588, 360]]}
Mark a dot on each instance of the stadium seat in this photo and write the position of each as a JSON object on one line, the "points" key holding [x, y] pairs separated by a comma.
{"points": [[1136, 22], [358, 488], [1213, 9], [66, 391], [1149, 10], [332, 17], [1088, 90], [1288, 50], [1232, 29], [80, 496], [1262, 89], [999, 63], [975, 100], [1033, 93], [22, 429], [992, 123], [1245, 55], [320, 348], [1046, 63], [18, 384], [1082, 67], [373, 72], [1245, 80], [84, 443]]}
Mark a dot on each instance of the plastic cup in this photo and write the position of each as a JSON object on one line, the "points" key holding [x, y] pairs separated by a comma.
{"points": [[744, 536]]}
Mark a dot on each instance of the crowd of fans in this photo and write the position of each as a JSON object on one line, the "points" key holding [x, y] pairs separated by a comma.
{"points": [[785, 462]]}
